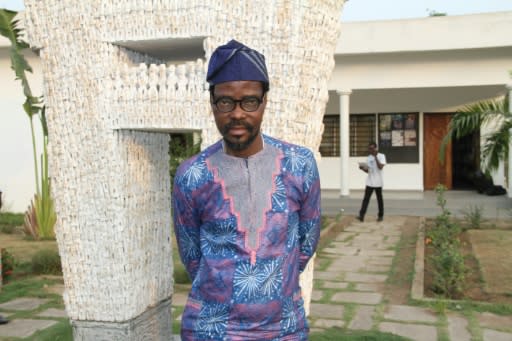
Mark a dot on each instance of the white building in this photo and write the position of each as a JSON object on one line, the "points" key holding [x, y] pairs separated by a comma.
{"points": [[397, 83], [422, 69]]}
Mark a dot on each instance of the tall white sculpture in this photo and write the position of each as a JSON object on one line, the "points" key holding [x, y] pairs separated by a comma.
{"points": [[110, 110]]}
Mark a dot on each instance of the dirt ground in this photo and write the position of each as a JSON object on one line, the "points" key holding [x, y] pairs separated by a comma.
{"points": [[23, 249], [488, 259]]}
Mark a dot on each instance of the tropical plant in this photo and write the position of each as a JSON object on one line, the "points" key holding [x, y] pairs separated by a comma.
{"points": [[493, 114], [40, 216]]}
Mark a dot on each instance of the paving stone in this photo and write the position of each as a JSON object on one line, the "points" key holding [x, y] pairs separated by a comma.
{"points": [[378, 252], [327, 311], [335, 285], [324, 323], [377, 268], [458, 328], [365, 278], [317, 295], [357, 297], [52, 312], [343, 236], [328, 275], [363, 318], [494, 335], [347, 263], [341, 250], [416, 332], [357, 227], [24, 327], [179, 299], [374, 287], [24, 303], [494, 321], [408, 313], [365, 245], [380, 260], [374, 237]]}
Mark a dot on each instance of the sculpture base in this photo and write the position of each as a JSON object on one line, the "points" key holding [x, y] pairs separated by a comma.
{"points": [[154, 324]]}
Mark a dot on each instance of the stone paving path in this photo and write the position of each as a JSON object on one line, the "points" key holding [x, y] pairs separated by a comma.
{"points": [[348, 291]]}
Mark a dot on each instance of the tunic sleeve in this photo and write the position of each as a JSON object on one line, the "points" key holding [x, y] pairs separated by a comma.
{"points": [[310, 214], [186, 227]]}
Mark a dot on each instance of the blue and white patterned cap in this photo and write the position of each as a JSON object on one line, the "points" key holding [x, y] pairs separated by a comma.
{"points": [[236, 62]]}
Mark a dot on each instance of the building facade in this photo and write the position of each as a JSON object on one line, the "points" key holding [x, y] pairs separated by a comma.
{"points": [[398, 82]]}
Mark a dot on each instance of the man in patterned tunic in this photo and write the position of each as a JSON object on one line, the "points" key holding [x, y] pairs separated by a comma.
{"points": [[246, 214]]}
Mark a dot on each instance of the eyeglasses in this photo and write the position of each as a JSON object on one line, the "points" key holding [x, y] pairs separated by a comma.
{"points": [[228, 104]]}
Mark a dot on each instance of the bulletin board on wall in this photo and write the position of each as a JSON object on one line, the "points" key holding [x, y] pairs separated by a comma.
{"points": [[398, 137]]}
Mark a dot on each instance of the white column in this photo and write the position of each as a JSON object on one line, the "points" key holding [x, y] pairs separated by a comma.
{"points": [[509, 173], [344, 139]]}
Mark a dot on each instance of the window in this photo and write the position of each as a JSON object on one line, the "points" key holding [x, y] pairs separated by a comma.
{"points": [[362, 132], [396, 135], [330, 145]]}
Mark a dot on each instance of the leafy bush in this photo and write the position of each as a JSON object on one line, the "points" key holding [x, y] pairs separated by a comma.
{"points": [[8, 264], [473, 215], [46, 262], [447, 260], [449, 270]]}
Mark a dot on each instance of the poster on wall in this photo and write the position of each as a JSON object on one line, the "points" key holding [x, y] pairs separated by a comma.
{"points": [[398, 136], [410, 138], [385, 138], [398, 122], [385, 123], [410, 122]]}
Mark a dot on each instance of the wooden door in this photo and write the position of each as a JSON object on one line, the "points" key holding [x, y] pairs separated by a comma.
{"points": [[435, 171]]}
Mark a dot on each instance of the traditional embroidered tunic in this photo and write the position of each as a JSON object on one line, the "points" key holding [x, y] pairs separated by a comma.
{"points": [[246, 228]]}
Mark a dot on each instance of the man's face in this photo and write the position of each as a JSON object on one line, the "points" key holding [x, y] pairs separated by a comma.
{"points": [[372, 149], [239, 128]]}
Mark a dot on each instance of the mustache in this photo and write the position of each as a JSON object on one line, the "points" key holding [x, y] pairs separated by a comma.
{"points": [[237, 123]]}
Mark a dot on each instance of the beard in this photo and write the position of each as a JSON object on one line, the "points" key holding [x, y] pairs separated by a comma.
{"points": [[239, 145]]}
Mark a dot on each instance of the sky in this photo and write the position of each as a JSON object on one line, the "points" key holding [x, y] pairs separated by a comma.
{"points": [[362, 10]]}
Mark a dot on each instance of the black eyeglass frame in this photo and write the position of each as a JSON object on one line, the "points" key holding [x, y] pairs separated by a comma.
{"points": [[239, 102]]}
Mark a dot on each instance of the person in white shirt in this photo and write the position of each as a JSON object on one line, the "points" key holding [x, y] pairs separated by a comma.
{"points": [[375, 164]]}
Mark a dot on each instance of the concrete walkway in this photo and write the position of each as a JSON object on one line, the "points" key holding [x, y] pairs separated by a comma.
{"points": [[348, 293]]}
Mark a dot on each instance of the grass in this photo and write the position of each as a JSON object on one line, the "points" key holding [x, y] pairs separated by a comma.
{"points": [[29, 287], [9, 222], [62, 331], [349, 335]]}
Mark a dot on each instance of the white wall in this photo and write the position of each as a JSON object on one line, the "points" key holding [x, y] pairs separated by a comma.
{"points": [[16, 161], [397, 176]]}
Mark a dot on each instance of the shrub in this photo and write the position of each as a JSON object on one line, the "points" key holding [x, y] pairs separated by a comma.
{"points": [[447, 260], [8, 264], [46, 262], [449, 270], [473, 215]]}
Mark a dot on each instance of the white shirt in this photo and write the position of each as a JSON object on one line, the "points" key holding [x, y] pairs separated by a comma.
{"points": [[374, 178]]}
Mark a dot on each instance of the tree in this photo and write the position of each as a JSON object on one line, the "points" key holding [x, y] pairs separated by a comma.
{"points": [[494, 116], [40, 217]]}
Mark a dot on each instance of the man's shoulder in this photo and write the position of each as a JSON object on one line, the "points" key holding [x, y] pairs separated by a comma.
{"points": [[198, 160], [287, 147]]}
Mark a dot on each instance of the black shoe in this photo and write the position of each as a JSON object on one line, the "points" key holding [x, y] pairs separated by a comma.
{"points": [[380, 218], [361, 219], [3, 320]]}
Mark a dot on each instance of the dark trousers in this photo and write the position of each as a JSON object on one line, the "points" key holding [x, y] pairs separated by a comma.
{"points": [[367, 195]]}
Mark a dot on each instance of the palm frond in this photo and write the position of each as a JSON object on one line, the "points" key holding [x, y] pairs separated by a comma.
{"points": [[472, 117], [495, 148]]}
